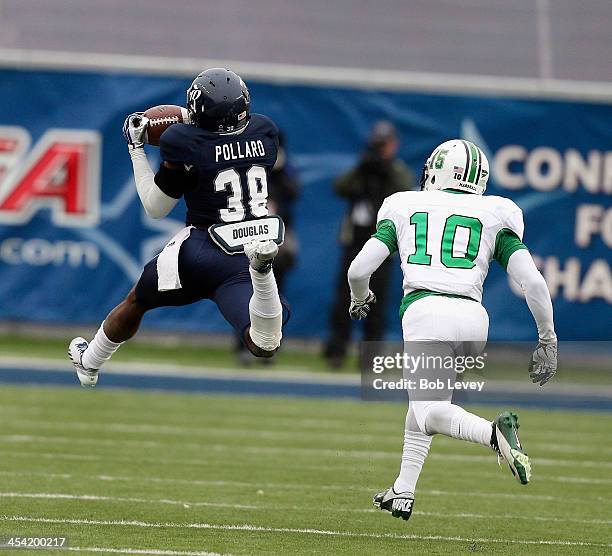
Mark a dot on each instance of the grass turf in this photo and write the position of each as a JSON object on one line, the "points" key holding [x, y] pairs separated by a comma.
{"points": [[288, 359], [255, 475], [185, 354]]}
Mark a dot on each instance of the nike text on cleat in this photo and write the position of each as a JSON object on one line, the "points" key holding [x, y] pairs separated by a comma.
{"points": [[505, 441], [261, 253], [399, 504], [87, 377]]}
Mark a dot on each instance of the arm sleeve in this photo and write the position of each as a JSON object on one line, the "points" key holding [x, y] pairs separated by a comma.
{"points": [[385, 232], [371, 256], [523, 271], [155, 202], [506, 243]]}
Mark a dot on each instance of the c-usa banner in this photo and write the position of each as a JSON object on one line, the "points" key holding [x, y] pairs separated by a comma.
{"points": [[74, 237]]}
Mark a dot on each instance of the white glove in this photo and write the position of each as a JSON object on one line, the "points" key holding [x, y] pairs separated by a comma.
{"points": [[543, 364], [360, 309], [135, 130]]}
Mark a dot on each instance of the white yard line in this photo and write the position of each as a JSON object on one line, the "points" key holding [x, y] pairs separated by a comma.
{"points": [[290, 530], [127, 499], [270, 450], [221, 430], [150, 368], [276, 507], [205, 431], [291, 486], [67, 476], [16, 413], [577, 480], [312, 487], [157, 551], [463, 515], [554, 478], [519, 495], [197, 464], [284, 374], [54, 456]]}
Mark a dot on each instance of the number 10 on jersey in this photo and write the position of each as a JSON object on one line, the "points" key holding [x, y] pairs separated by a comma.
{"points": [[420, 220]]}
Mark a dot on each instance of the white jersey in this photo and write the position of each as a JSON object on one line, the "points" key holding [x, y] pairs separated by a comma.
{"points": [[447, 239]]}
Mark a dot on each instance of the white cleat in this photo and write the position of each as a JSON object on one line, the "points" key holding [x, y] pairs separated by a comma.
{"points": [[261, 253], [87, 377]]}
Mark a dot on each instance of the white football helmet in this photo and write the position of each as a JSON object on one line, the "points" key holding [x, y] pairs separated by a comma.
{"points": [[456, 164]]}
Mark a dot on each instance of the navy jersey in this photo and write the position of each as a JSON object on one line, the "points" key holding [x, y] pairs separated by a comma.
{"points": [[226, 176]]}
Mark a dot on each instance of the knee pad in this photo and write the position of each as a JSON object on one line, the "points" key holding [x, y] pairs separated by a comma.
{"points": [[422, 411], [411, 422], [419, 411]]}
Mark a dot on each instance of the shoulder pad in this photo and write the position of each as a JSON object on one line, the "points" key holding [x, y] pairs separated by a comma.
{"points": [[176, 144], [386, 210], [510, 214], [263, 124]]}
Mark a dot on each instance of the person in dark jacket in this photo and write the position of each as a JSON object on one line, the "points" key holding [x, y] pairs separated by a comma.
{"points": [[378, 174], [283, 192]]}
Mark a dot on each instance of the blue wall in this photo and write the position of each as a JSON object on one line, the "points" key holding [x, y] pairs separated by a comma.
{"points": [[325, 128]]}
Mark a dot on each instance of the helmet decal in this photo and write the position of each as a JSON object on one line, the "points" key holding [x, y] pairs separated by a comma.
{"points": [[440, 158], [195, 94], [456, 164], [218, 100]]}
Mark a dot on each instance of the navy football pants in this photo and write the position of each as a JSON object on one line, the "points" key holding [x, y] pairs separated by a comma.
{"points": [[206, 272]]}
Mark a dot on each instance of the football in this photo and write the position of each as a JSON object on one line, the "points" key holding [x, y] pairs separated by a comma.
{"points": [[161, 118]]}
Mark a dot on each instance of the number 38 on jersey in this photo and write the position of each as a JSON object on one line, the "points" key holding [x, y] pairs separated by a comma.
{"points": [[257, 187]]}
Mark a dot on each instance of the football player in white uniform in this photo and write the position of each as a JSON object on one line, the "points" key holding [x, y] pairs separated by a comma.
{"points": [[446, 236]]}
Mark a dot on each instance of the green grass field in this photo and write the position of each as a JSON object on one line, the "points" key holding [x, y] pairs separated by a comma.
{"points": [[158, 473], [189, 355], [288, 359]]}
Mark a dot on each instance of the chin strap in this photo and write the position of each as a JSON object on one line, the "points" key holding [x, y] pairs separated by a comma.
{"points": [[424, 176]]}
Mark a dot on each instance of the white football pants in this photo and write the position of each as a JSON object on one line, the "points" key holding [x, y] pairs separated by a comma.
{"points": [[459, 325]]}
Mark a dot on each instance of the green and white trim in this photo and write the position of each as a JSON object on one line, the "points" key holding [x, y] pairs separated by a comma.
{"points": [[385, 232]]}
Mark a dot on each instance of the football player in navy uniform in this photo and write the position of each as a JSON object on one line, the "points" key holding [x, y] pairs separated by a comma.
{"points": [[219, 163]]}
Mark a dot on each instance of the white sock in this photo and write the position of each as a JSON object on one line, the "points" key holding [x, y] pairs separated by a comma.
{"points": [[454, 421], [266, 311], [100, 350], [416, 448]]}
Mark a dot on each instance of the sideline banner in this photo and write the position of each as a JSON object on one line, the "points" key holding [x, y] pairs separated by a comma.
{"points": [[74, 238]]}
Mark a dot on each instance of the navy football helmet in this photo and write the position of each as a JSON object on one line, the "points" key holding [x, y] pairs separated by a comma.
{"points": [[219, 101]]}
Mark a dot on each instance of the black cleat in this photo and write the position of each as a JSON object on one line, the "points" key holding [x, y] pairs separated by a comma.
{"points": [[400, 505]]}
